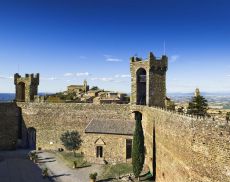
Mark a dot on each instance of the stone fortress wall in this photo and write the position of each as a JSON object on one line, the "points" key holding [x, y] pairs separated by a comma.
{"points": [[182, 148], [52, 119], [185, 148]]}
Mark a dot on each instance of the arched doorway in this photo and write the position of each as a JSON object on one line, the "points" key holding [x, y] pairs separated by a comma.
{"points": [[141, 86], [31, 138], [21, 92]]}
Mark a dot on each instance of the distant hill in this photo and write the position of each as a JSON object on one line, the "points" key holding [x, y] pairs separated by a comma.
{"points": [[214, 99], [202, 93]]}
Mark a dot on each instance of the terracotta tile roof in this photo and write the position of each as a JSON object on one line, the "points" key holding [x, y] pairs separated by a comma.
{"points": [[104, 126]]}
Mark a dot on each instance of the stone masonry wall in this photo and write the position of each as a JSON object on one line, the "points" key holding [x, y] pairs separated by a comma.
{"points": [[187, 149], [8, 126], [51, 120], [114, 147]]}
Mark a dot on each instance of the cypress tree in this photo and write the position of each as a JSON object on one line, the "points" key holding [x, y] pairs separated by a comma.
{"points": [[227, 116], [138, 151]]}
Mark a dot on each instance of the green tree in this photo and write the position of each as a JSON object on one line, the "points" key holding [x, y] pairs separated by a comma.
{"points": [[198, 106], [71, 140], [94, 88], [138, 149]]}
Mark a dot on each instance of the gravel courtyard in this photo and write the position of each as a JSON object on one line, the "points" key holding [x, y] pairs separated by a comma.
{"points": [[15, 167], [61, 173]]}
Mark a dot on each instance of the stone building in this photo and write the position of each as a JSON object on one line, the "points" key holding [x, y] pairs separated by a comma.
{"points": [[148, 80], [106, 97], [78, 88], [93, 93], [109, 141], [26, 87]]}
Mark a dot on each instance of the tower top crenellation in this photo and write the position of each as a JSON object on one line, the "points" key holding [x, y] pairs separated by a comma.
{"points": [[26, 87]]}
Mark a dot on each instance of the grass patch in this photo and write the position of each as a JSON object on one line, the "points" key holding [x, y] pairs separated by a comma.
{"points": [[69, 159], [114, 171]]}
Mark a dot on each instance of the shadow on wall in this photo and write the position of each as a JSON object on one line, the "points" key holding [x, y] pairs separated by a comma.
{"points": [[154, 155], [8, 126], [152, 165], [26, 136]]}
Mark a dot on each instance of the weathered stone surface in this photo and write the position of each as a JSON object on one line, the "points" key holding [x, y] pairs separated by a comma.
{"points": [[183, 148], [26, 87], [153, 90], [51, 120], [114, 147], [187, 149], [8, 126]]}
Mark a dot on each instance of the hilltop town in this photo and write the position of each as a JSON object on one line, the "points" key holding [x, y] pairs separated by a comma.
{"points": [[85, 94]]}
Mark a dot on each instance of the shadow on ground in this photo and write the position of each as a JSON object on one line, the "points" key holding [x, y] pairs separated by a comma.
{"points": [[15, 166]]}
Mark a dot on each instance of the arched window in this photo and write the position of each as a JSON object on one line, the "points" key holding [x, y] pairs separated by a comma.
{"points": [[141, 86], [21, 92]]}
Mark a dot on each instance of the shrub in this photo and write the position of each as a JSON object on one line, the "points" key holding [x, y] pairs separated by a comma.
{"points": [[93, 176], [45, 172]]}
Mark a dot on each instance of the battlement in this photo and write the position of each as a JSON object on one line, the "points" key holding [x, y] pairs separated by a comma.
{"points": [[26, 87], [32, 76], [221, 127], [28, 79], [151, 61]]}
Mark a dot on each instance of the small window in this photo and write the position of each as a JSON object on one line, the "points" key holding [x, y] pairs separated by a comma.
{"points": [[99, 151], [129, 149]]}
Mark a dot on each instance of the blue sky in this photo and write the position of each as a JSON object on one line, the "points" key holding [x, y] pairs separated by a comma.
{"points": [[71, 40]]}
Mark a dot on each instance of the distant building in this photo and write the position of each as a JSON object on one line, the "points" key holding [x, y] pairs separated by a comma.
{"points": [[78, 88], [106, 97], [93, 93], [169, 104]]}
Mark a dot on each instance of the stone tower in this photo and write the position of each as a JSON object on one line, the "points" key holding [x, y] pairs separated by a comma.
{"points": [[148, 80], [197, 92], [26, 87], [86, 87]]}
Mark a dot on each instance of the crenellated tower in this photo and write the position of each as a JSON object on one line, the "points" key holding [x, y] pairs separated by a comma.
{"points": [[148, 80], [26, 87]]}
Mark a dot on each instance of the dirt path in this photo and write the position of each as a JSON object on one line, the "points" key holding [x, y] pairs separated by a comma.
{"points": [[61, 173]]}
